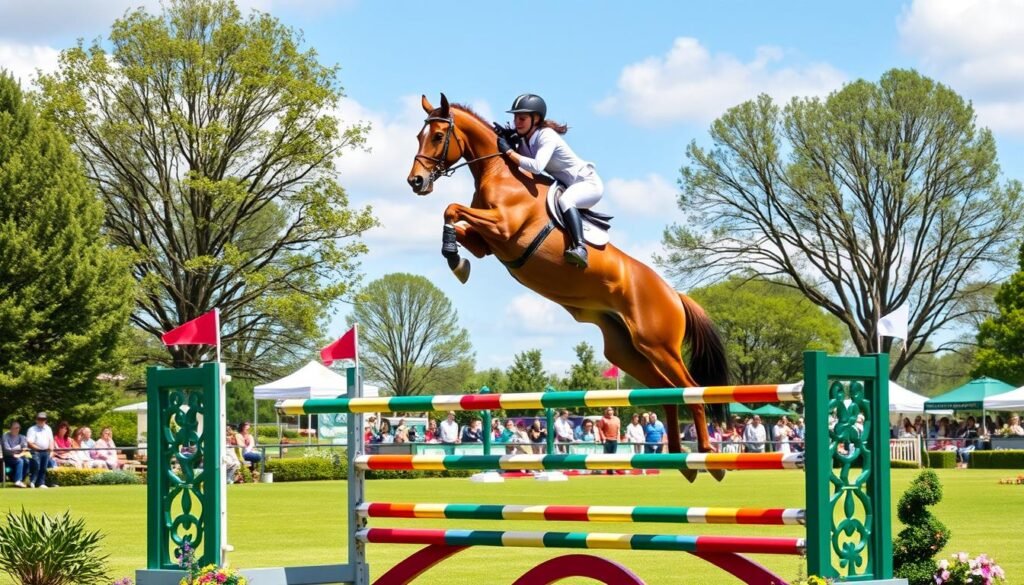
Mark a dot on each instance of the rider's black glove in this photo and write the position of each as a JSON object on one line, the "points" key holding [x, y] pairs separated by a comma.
{"points": [[504, 145]]}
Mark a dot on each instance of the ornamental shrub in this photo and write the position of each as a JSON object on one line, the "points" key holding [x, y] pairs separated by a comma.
{"points": [[923, 536], [942, 459], [302, 469], [1002, 459], [115, 478], [71, 476], [50, 550]]}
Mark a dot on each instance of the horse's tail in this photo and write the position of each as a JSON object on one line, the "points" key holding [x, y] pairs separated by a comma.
{"points": [[708, 364]]}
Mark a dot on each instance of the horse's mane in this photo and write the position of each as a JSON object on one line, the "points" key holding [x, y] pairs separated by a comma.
{"points": [[473, 113]]}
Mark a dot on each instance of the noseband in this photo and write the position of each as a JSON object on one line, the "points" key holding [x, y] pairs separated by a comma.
{"points": [[441, 165]]}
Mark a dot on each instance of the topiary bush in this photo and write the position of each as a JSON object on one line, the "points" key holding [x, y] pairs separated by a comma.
{"points": [[923, 536], [50, 550], [942, 459]]}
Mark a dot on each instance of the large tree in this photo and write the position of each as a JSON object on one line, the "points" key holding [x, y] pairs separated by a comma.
{"points": [[585, 374], [212, 138], [526, 374], [766, 327], [410, 335], [880, 195], [65, 295], [1001, 338]]}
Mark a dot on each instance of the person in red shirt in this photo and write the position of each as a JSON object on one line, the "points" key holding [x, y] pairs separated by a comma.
{"points": [[608, 429]]}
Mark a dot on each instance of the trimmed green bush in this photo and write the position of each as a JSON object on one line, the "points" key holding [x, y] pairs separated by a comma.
{"points": [[923, 535], [115, 478], [51, 550], [942, 459], [389, 474], [338, 460], [270, 434], [901, 464], [304, 469], [71, 476], [1002, 459]]}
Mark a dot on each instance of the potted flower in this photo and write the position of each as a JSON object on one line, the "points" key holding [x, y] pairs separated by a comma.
{"points": [[963, 570]]}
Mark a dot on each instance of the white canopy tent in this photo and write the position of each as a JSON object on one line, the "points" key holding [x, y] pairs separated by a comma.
{"points": [[904, 401], [1012, 400]]}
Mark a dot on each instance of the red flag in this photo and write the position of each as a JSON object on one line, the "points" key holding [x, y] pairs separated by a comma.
{"points": [[203, 330], [342, 349], [612, 372]]}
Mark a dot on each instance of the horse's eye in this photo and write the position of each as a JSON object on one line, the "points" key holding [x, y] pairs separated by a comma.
{"points": [[438, 136]]}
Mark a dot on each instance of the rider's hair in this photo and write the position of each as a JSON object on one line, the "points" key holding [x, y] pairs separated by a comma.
{"points": [[560, 128]]}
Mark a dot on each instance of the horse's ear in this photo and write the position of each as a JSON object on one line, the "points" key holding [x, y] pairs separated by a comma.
{"points": [[444, 106], [426, 105]]}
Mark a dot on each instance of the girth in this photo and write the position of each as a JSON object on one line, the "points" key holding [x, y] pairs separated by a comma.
{"points": [[529, 251]]}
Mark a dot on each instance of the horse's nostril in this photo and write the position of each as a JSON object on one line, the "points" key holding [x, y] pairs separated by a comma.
{"points": [[416, 182]]}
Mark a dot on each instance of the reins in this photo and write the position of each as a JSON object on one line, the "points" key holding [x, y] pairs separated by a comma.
{"points": [[442, 167]]}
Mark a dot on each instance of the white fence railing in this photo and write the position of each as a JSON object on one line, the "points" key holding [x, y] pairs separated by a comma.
{"points": [[905, 450]]}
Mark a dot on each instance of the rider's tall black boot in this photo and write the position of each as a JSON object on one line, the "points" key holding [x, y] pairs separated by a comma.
{"points": [[577, 252]]}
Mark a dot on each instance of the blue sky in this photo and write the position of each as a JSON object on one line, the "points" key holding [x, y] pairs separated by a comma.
{"points": [[635, 81]]}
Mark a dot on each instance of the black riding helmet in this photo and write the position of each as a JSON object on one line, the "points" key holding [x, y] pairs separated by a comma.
{"points": [[529, 103]]}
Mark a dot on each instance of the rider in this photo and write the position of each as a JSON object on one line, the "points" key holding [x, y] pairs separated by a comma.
{"points": [[543, 150]]}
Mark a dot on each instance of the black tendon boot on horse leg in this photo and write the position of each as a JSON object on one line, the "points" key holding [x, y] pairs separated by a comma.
{"points": [[577, 253]]}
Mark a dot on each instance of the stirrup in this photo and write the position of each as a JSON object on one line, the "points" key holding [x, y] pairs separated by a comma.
{"points": [[577, 256]]}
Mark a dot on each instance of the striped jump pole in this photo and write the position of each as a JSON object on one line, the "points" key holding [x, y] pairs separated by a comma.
{"points": [[594, 540], [660, 514], [538, 400], [693, 461]]}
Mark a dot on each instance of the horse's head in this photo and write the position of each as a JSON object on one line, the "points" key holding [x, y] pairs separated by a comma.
{"points": [[439, 147]]}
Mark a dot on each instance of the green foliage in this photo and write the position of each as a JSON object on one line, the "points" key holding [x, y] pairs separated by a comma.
{"points": [[931, 374], [418, 474], [942, 459], [526, 374], [50, 550], [124, 425], [493, 378], [923, 536], [269, 432], [1001, 459], [766, 326], [833, 193], [336, 457], [115, 478], [71, 476], [65, 295], [901, 464], [585, 374], [1001, 338], [410, 336], [304, 469], [212, 138], [239, 403]]}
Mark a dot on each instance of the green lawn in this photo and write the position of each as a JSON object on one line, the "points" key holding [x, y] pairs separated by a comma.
{"points": [[304, 523]]}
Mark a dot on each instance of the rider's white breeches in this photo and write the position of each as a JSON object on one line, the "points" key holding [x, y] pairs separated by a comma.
{"points": [[584, 193]]}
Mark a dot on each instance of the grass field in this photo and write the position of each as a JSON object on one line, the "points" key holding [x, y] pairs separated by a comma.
{"points": [[304, 523]]}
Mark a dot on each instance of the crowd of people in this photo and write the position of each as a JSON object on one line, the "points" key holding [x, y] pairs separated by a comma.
{"points": [[29, 456], [951, 434], [644, 432]]}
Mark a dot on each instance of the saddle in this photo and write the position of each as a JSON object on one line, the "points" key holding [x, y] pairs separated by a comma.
{"points": [[595, 223]]}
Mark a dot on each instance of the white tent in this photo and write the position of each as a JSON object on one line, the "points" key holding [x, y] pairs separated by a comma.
{"points": [[1012, 400], [139, 408], [904, 401], [313, 380]]}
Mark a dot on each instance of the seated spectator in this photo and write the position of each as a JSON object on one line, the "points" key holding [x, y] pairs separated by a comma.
{"points": [[81, 456], [538, 435], [249, 452], [62, 445], [522, 440], [411, 435], [401, 432], [1015, 427], [16, 454], [509, 437], [496, 429], [908, 431], [371, 434], [232, 463], [106, 450], [586, 432], [431, 435], [385, 435], [473, 432], [969, 434]]}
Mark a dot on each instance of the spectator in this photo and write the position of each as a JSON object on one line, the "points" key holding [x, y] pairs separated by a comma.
{"points": [[585, 433], [106, 450], [410, 435], [80, 455], [654, 434], [473, 432], [232, 463], [16, 454], [781, 434], [799, 434], [732, 437], [450, 430], [907, 432], [401, 432], [563, 431], [432, 434], [1015, 428], [522, 439], [755, 435], [87, 441], [249, 452], [537, 435], [496, 430], [508, 437], [370, 434], [635, 433], [62, 445], [689, 433], [40, 441], [609, 428], [969, 434], [385, 436]]}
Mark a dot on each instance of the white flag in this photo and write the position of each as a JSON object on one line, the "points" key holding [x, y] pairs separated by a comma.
{"points": [[895, 324]]}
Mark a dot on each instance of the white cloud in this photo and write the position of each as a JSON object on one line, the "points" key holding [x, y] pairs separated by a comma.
{"points": [[651, 196], [973, 45], [689, 83], [531, 313], [22, 61]]}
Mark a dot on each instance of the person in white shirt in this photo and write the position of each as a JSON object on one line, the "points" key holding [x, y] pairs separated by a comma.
{"points": [[564, 432], [40, 441], [755, 435], [635, 434], [541, 149], [449, 430]]}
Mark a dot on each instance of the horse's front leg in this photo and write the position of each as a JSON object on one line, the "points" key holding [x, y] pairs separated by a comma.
{"points": [[460, 228]]}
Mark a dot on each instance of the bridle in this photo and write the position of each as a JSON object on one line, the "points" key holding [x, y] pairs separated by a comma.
{"points": [[441, 165]]}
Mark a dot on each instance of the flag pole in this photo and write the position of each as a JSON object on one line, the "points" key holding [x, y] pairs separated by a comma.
{"points": [[216, 318]]}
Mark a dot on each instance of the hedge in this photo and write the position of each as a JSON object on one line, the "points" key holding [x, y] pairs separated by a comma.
{"points": [[304, 469], [1001, 459], [901, 464], [942, 459], [72, 476]]}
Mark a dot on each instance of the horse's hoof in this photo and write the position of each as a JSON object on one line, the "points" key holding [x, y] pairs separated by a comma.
{"points": [[689, 474], [718, 474], [461, 271]]}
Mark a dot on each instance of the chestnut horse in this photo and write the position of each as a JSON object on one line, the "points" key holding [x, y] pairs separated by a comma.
{"points": [[644, 321]]}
